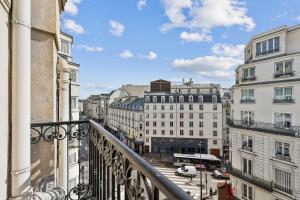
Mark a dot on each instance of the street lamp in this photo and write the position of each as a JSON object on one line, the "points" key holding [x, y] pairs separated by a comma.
{"points": [[200, 145]]}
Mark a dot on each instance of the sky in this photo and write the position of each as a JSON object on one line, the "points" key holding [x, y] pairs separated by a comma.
{"points": [[118, 42]]}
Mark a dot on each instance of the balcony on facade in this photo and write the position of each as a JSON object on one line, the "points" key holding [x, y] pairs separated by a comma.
{"points": [[266, 185], [247, 147], [266, 127], [248, 100], [283, 157], [283, 74], [114, 170], [284, 100], [250, 78]]}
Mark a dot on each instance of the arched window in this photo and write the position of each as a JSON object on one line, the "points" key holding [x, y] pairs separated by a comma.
{"points": [[171, 99], [154, 98], [200, 98], [214, 98], [163, 99], [191, 99], [181, 98]]}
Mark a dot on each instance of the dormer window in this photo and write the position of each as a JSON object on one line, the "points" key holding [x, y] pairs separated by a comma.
{"points": [[147, 99], [154, 98], [267, 46], [191, 99], [181, 98], [163, 99], [65, 47], [171, 99], [214, 98], [200, 98]]}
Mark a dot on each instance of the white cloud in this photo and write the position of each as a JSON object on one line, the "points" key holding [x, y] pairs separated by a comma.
{"points": [[219, 65], [116, 28], [204, 15], [73, 27], [90, 49], [141, 4], [151, 55], [126, 54], [72, 7], [195, 37], [228, 50]]}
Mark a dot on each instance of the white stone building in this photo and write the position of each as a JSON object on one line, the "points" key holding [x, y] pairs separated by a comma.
{"points": [[179, 117], [265, 126]]}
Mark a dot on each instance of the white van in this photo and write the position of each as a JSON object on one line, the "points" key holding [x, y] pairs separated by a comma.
{"points": [[187, 171]]}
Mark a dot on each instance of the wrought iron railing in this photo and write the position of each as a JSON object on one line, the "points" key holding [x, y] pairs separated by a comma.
{"points": [[279, 74], [115, 171], [286, 100], [285, 189], [266, 185], [266, 127], [249, 100], [250, 78]]}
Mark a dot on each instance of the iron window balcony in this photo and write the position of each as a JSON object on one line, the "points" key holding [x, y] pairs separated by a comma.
{"points": [[266, 127], [248, 100], [246, 147], [259, 182], [286, 158], [287, 190], [280, 74], [286, 100], [250, 78]]}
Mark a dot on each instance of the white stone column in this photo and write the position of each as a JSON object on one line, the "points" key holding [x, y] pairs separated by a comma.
{"points": [[63, 116], [21, 79]]}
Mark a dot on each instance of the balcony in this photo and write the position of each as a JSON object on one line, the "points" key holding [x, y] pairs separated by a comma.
{"points": [[285, 100], [248, 100], [250, 78], [266, 185], [247, 147], [115, 171], [279, 187], [266, 127], [283, 74], [286, 158]]}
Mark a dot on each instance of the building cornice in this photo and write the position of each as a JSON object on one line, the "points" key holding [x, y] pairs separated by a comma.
{"points": [[268, 82]]}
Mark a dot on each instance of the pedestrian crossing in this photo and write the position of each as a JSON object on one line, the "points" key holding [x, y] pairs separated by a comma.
{"points": [[183, 182]]}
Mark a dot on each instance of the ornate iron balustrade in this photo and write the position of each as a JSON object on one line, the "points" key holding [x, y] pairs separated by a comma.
{"points": [[115, 171], [49, 132], [266, 185], [287, 100], [266, 127], [250, 78]]}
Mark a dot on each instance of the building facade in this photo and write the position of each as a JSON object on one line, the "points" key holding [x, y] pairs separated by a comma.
{"points": [[264, 130], [183, 118]]}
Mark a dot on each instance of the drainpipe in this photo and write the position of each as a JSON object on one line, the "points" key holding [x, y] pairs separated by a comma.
{"points": [[64, 116], [21, 105]]}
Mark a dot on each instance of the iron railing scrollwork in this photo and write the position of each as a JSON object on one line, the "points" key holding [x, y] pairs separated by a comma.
{"points": [[48, 132]]}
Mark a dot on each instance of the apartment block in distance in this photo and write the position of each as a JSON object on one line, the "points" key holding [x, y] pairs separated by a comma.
{"points": [[183, 118], [265, 126]]}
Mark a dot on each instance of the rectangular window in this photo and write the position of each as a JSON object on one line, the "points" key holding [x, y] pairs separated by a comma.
{"points": [[154, 123], [154, 132], [215, 116], [181, 132], [162, 124], [276, 44], [191, 124], [162, 107], [74, 102], [200, 115], [181, 124], [215, 124], [171, 115], [163, 132], [247, 117], [283, 120], [154, 107], [283, 68], [171, 124], [247, 142], [247, 166], [200, 124], [285, 94], [215, 107], [190, 106], [147, 139], [162, 98], [147, 115], [171, 107], [215, 133], [264, 47], [200, 132], [247, 192], [283, 180], [191, 115], [147, 107], [248, 95], [181, 115], [181, 106], [215, 142], [154, 115], [162, 115], [171, 132], [147, 132], [191, 133], [249, 73], [201, 107], [65, 47], [282, 149], [147, 123]]}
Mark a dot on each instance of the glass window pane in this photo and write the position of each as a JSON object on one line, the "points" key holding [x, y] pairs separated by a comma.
{"points": [[252, 71], [277, 43], [288, 66], [288, 93], [258, 48], [270, 45], [264, 47], [279, 93], [279, 67]]}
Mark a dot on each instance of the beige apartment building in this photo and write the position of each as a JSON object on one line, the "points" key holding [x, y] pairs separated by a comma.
{"points": [[180, 117], [265, 126]]}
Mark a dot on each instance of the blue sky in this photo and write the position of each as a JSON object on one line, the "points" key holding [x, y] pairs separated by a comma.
{"points": [[120, 42]]}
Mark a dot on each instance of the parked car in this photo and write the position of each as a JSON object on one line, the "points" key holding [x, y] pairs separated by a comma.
{"points": [[221, 173], [187, 171]]}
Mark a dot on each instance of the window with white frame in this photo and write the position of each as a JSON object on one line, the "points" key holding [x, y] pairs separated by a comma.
{"points": [[181, 107], [181, 98], [267, 46], [283, 180], [147, 99], [249, 73], [200, 98], [74, 102], [247, 142], [200, 106], [65, 47], [215, 115], [190, 106], [200, 115], [162, 107], [154, 115], [191, 98], [73, 75], [215, 142], [282, 148], [215, 107], [284, 93], [214, 98], [154, 98], [283, 119], [154, 107], [247, 94], [171, 99], [163, 99], [284, 67], [200, 132], [171, 115], [247, 117], [147, 107], [247, 192], [247, 166], [171, 107]]}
